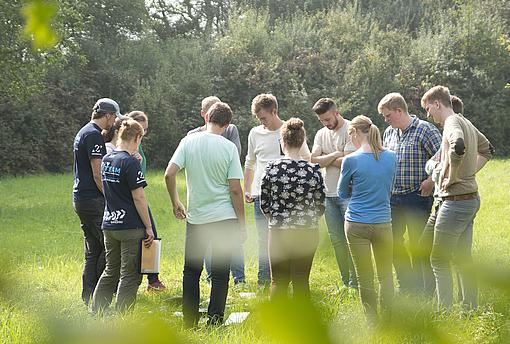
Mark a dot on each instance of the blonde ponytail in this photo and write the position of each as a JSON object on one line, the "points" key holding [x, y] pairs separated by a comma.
{"points": [[364, 124]]}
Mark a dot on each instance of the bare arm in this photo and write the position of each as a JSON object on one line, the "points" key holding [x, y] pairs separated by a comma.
{"points": [[248, 180], [236, 194], [96, 173], [338, 161], [327, 159], [143, 210], [171, 186]]}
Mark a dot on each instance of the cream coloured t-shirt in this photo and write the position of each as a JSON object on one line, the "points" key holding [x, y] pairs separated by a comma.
{"points": [[264, 146], [327, 141]]}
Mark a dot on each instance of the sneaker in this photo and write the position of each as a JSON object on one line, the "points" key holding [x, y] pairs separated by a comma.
{"points": [[156, 286]]}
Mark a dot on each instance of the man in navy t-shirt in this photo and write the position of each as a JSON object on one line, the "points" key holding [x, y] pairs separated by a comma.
{"points": [[88, 150]]}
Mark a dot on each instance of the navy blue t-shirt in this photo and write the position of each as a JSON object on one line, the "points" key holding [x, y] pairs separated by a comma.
{"points": [[88, 145], [121, 173]]}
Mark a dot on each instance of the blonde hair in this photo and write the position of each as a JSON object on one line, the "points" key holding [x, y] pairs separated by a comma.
{"points": [[130, 130], [392, 101], [439, 93], [293, 132], [364, 125], [264, 101], [208, 102]]}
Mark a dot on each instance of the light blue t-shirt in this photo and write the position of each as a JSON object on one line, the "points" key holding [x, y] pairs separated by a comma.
{"points": [[210, 160], [372, 181]]}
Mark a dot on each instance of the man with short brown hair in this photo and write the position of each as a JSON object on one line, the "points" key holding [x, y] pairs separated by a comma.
{"points": [[263, 146], [331, 144], [464, 151]]}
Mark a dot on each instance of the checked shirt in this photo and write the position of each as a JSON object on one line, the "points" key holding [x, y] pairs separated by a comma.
{"points": [[414, 146]]}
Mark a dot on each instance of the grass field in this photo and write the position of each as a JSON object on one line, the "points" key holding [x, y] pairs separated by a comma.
{"points": [[41, 258]]}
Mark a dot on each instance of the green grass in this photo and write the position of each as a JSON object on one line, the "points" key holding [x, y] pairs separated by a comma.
{"points": [[41, 257]]}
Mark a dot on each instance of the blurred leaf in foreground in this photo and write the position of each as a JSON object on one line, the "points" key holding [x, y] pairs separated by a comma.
{"points": [[38, 15]]}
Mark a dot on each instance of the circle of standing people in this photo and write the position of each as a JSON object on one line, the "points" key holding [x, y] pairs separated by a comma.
{"points": [[371, 188]]}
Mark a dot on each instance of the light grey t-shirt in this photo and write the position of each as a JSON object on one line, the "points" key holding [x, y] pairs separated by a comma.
{"points": [[231, 134]]}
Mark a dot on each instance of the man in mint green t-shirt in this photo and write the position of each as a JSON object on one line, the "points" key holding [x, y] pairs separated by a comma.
{"points": [[215, 212]]}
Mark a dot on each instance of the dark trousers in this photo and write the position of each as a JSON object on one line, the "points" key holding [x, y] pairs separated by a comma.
{"points": [[90, 213], [219, 236], [291, 253], [409, 212]]}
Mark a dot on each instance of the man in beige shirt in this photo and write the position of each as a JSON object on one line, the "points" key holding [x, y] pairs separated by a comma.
{"points": [[464, 151], [330, 145]]}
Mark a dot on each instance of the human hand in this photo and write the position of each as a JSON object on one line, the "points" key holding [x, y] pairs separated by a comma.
{"points": [[248, 198], [426, 187], [149, 237], [179, 211]]}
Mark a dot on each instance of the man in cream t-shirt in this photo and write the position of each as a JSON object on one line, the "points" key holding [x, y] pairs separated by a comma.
{"points": [[263, 146], [330, 145]]}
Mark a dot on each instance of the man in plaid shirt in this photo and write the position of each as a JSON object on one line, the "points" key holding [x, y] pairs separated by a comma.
{"points": [[414, 141]]}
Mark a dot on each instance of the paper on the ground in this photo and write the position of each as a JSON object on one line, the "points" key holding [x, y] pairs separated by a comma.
{"points": [[237, 318], [246, 295]]}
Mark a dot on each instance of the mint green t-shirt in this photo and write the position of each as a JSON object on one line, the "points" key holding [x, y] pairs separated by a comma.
{"points": [[210, 160]]}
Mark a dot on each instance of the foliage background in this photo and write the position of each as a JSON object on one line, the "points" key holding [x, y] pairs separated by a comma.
{"points": [[163, 57]]}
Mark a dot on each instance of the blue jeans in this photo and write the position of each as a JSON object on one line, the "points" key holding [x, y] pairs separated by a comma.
{"points": [[236, 265], [453, 240], [261, 223], [410, 211], [334, 216]]}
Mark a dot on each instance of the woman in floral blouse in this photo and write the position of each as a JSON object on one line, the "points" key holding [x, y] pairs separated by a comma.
{"points": [[292, 199]]}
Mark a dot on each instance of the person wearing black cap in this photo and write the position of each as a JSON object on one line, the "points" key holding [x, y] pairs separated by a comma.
{"points": [[88, 200]]}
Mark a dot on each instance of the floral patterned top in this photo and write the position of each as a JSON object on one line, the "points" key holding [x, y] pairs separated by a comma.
{"points": [[292, 193]]}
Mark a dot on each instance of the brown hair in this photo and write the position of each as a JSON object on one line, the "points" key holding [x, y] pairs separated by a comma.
{"points": [[293, 132], [110, 133], [439, 93], [220, 114], [364, 124], [265, 101], [457, 104], [130, 130], [392, 101], [323, 105], [208, 102], [138, 116]]}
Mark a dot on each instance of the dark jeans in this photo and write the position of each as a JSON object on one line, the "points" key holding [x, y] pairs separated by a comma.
{"points": [[411, 212], [217, 235], [334, 216], [291, 254], [90, 213], [261, 223], [122, 273], [236, 265], [153, 277]]}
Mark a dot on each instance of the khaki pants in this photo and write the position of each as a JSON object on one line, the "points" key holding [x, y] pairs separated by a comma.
{"points": [[122, 272], [365, 239]]}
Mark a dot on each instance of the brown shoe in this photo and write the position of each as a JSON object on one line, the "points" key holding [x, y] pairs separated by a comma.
{"points": [[156, 286]]}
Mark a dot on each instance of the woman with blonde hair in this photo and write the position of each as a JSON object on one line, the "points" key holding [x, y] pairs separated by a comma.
{"points": [[125, 222], [370, 172], [292, 199]]}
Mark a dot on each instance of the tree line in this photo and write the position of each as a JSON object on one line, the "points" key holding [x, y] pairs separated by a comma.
{"points": [[163, 57]]}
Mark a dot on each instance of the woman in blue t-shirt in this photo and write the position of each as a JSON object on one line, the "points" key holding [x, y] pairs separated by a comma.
{"points": [[370, 171], [125, 222]]}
